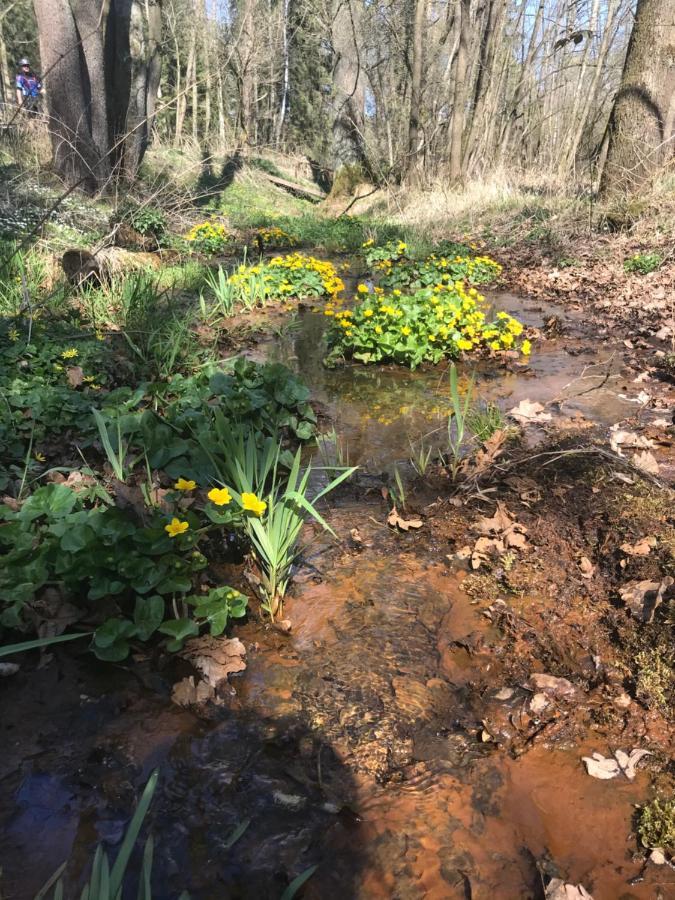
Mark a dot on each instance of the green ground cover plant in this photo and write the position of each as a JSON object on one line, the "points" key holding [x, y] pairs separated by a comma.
{"points": [[134, 572], [209, 238], [144, 572], [426, 326], [293, 276], [447, 265], [643, 263]]}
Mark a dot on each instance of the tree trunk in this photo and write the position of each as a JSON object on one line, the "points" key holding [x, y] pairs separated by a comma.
{"points": [[102, 60], [640, 131], [71, 87], [348, 149], [460, 91], [418, 41], [589, 96], [133, 70], [6, 86]]}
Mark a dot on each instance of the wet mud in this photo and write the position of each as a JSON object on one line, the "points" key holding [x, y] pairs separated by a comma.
{"points": [[391, 738]]}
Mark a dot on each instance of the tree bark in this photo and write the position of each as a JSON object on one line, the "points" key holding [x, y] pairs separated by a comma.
{"points": [[348, 148], [102, 60], [70, 88], [640, 131], [418, 40], [460, 91], [133, 72]]}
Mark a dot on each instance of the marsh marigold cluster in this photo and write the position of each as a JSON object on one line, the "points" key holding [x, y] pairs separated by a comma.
{"points": [[426, 326], [208, 237], [293, 275]]}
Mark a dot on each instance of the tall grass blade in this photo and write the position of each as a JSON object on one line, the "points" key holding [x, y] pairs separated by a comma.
{"points": [[117, 873], [9, 649]]}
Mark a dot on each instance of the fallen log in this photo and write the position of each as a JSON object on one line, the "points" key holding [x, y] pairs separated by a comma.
{"points": [[301, 189], [82, 267]]}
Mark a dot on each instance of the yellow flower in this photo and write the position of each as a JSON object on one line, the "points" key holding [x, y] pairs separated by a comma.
{"points": [[464, 345], [405, 330], [40, 457], [69, 354], [185, 484], [251, 503], [378, 329], [328, 312], [526, 348], [363, 289], [13, 334], [367, 313], [176, 527], [494, 345], [219, 496], [507, 339]]}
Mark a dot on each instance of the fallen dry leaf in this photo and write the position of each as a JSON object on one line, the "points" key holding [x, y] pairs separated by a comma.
{"points": [[75, 375], [190, 693], [215, 657], [600, 767], [587, 567], [642, 547], [8, 668], [528, 412], [619, 438], [549, 684], [396, 521], [509, 532], [484, 458], [644, 597], [504, 693], [646, 462], [628, 761], [559, 890], [538, 703], [605, 768], [484, 548]]}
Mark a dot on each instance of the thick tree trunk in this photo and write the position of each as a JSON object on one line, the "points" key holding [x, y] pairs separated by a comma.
{"points": [[70, 89], [640, 131], [348, 90], [102, 60]]}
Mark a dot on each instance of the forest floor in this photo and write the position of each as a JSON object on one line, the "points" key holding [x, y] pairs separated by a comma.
{"points": [[418, 726]]}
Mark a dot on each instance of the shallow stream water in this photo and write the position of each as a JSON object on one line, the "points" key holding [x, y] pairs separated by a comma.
{"points": [[380, 411], [349, 744]]}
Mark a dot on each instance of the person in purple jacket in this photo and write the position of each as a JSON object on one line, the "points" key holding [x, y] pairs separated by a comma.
{"points": [[28, 87]]}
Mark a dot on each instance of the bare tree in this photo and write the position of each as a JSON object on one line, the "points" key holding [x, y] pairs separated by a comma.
{"points": [[348, 87]]}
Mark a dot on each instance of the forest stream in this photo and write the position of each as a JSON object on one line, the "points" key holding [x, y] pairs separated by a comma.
{"points": [[390, 739]]}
